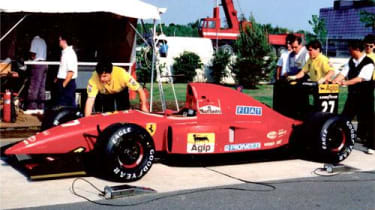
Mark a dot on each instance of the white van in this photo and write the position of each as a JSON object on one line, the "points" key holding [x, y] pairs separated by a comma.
{"points": [[176, 47]]}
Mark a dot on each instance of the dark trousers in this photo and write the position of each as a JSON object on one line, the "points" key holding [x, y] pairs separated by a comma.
{"points": [[36, 93], [65, 96], [112, 102], [362, 106]]}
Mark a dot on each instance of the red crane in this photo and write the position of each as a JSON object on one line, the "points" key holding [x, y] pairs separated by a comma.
{"points": [[211, 27]]}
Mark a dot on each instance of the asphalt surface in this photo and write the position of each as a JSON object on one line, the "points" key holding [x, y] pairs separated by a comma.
{"points": [[223, 182], [342, 191]]}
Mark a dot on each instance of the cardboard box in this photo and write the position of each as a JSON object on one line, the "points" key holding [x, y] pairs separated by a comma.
{"points": [[5, 68]]}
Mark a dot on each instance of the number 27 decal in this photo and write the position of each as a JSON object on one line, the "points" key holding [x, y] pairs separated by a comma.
{"points": [[328, 106]]}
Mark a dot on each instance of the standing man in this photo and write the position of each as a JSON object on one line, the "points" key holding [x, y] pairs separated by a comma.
{"points": [[281, 62], [108, 87], [278, 86], [294, 99], [360, 100], [317, 66], [68, 70], [36, 92], [369, 42], [297, 58]]}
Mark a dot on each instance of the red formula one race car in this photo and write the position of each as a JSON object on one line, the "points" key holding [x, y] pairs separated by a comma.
{"points": [[214, 120]]}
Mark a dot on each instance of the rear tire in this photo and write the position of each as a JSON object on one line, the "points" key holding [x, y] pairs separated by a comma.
{"points": [[330, 138], [59, 115], [126, 152]]}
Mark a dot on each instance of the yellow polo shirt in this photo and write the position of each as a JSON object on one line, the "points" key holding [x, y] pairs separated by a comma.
{"points": [[317, 67], [372, 56], [120, 79]]}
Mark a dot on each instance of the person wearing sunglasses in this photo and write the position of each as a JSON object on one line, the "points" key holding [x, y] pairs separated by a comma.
{"points": [[369, 42]]}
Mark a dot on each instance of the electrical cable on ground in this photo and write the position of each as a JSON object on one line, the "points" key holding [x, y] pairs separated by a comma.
{"points": [[244, 181], [155, 199], [317, 170]]}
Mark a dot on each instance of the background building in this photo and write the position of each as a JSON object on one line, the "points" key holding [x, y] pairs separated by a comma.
{"points": [[343, 24]]}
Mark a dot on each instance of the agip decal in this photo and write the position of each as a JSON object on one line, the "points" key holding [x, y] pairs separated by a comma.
{"points": [[151, 128], [329, 88], [201, 142]]}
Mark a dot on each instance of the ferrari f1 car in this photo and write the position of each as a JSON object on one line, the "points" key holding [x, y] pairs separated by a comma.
{"points": [[214, 120]]}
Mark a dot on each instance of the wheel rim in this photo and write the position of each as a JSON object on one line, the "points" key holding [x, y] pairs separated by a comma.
{"points": [[336, 138], [130, 154]]}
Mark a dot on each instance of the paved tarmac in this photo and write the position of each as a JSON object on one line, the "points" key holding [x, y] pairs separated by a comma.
{"points": [[342, 191], [168, 177]]}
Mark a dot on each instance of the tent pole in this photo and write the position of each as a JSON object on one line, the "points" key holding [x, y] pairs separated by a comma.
{"points": [[152, 66], [139, 35], [10, 30]]}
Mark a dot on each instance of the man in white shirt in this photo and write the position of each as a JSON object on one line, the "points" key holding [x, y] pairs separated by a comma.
{"points": [[279, 83], [281, 62], [360, 101], [68, 71], [38, 74]]}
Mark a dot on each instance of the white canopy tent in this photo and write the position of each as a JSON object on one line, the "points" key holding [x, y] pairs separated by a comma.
{"points": [[126, 8]]}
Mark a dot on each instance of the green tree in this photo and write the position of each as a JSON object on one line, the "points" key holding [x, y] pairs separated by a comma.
{"points": [[189, 30], [144, 59], [307, 35], [275, 30], [319, 28], [219, 63], [255, 57], [184, 67], [367, 18]]}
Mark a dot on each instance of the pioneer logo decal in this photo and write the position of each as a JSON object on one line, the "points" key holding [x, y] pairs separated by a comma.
{"points": [[242, 147]]}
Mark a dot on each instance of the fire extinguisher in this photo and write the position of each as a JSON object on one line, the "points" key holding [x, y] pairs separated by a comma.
{"points": [[7, 106]]}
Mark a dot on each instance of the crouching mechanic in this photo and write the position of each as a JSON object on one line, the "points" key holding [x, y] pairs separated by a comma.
{"points": [[317, 66], [109, 85]]}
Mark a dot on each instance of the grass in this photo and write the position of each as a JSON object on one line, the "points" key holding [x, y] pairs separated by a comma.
{"points": [[263, 93]]}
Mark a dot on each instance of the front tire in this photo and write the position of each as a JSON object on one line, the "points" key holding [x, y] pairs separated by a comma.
{"points": [[126, 152]]}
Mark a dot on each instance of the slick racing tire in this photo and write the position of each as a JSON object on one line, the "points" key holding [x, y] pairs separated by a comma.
{"points": [[126, 152], [59, 115], [330, 137]]}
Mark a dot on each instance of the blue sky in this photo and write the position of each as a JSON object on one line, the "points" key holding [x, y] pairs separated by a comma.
{"points": [[291, 14]]}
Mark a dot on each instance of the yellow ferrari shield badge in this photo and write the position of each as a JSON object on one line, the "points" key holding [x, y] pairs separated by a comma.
{"points": [[151, 128]]}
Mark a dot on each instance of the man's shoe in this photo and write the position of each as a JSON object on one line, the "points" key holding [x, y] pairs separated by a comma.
{"points": [[370, 151], [30, 111]]}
